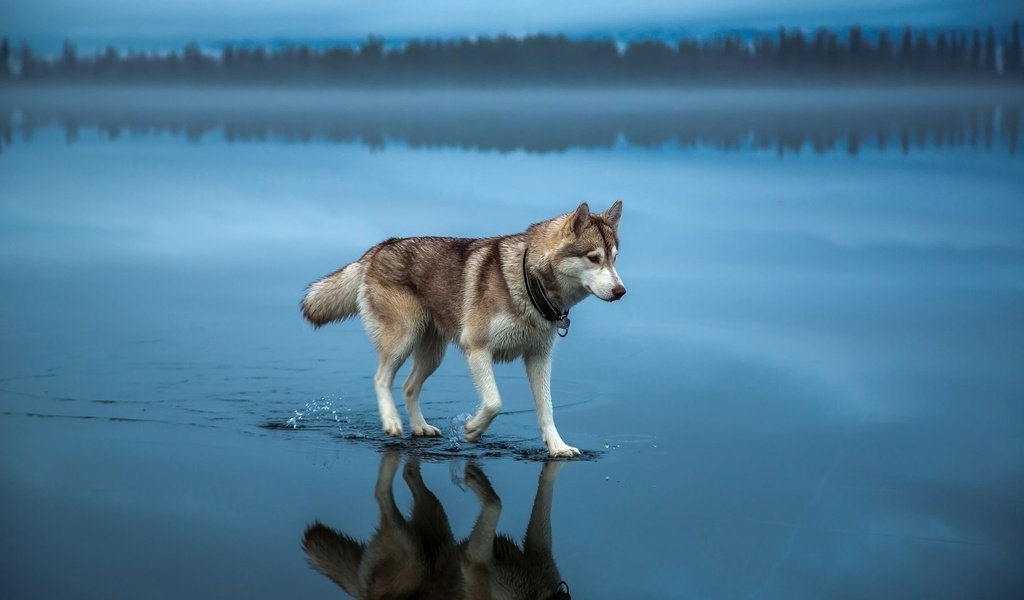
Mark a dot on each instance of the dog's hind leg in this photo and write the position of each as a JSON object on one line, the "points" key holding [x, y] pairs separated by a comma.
{"points": [[390, 362], [395, 321], [383, 491], [426, 358], [389, 365], [392, 563], [429, 522]]}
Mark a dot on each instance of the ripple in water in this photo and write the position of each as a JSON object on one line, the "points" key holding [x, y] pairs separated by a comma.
{"points": [[363, 425]]}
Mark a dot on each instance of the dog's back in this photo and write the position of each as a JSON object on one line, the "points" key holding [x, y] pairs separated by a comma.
{"points": [[424, 278]]}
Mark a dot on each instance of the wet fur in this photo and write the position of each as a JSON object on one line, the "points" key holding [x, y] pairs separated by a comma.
{"points": [[416, 295]]}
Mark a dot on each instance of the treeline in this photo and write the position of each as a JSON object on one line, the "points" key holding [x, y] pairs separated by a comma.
{"points": [[788, 55]]}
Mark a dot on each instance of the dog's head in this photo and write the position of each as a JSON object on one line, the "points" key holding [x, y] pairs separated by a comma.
{"points": [[590, 246]]}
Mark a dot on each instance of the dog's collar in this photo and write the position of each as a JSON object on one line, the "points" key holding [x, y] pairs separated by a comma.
{"points": [[545, 307]]}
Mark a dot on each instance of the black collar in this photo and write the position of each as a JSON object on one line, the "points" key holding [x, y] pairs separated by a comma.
{"points": [[545, 307]]}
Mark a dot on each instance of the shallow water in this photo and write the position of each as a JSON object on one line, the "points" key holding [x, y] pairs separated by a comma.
{"points": [[812, 389]]}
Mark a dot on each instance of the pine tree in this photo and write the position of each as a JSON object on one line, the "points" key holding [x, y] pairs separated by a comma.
{"points": [[856, 47], [5, 59], [68, 57], [941, 50], [27, 61], [955, 51], [990, 51], [783, 53], [922, 51], [884, 52], [1012, 59], [975, 58], [907, 46]]}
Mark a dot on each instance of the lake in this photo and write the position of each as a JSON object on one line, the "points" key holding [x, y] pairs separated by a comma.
{"points": [[813, 388]]}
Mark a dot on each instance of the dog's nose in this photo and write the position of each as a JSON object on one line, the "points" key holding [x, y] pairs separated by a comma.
{"points": [[618, 292]]}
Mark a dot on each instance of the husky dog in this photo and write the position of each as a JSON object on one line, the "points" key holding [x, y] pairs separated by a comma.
{"points": [[420, 558], [497, 298]]}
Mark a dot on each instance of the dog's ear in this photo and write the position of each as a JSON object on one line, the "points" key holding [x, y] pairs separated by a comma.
{"points": [[578, 220], [613, 213]]}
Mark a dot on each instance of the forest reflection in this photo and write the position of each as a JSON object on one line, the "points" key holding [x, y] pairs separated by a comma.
{"points": [[539, 126]]}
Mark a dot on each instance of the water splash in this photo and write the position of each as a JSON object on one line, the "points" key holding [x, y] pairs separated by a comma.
{"points": [[457, 431], [316, 412], [457, 472]]}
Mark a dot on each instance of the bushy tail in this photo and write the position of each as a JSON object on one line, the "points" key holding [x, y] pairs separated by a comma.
{"points": [[335, 555], [333, 298]]}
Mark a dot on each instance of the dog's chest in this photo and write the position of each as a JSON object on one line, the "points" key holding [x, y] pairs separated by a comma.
{"points": [[511, 338]]}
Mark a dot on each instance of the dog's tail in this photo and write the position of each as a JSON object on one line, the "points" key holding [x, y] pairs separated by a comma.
{"points": [[335, 555], [334, 297]]}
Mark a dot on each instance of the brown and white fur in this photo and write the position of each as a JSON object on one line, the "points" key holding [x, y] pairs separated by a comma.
{"points": [[415, 295], [419, 557]]}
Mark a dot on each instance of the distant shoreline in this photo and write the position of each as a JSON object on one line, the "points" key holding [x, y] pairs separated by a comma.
{"points": [[791, 56]]}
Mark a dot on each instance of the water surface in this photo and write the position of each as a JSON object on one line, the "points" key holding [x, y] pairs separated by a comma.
{"points": [[812, 389]]}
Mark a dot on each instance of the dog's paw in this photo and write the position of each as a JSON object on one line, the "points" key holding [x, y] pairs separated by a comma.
{"points": [[472, 433], [481, 486], [563, 451], [392, 426], [425, 430], [475, 428], [411, 472], [478, 424]]}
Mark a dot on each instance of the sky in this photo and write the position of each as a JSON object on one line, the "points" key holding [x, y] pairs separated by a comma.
{"points": [[171, 23]]}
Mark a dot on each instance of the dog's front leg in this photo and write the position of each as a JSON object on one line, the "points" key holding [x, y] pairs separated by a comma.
{"points": [[481, 365], [537, 543], [538, 370], [479, 546]]}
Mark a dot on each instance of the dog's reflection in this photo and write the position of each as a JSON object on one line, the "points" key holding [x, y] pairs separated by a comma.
{"points": [[419, 557]]}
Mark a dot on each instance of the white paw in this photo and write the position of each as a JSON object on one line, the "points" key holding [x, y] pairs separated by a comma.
{"points": [[392, 426], [476, 427], [562, 450], [425, 430], [473, 433]]}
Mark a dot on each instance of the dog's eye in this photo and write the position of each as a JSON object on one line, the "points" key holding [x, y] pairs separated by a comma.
{"points": [[594, 259]]}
